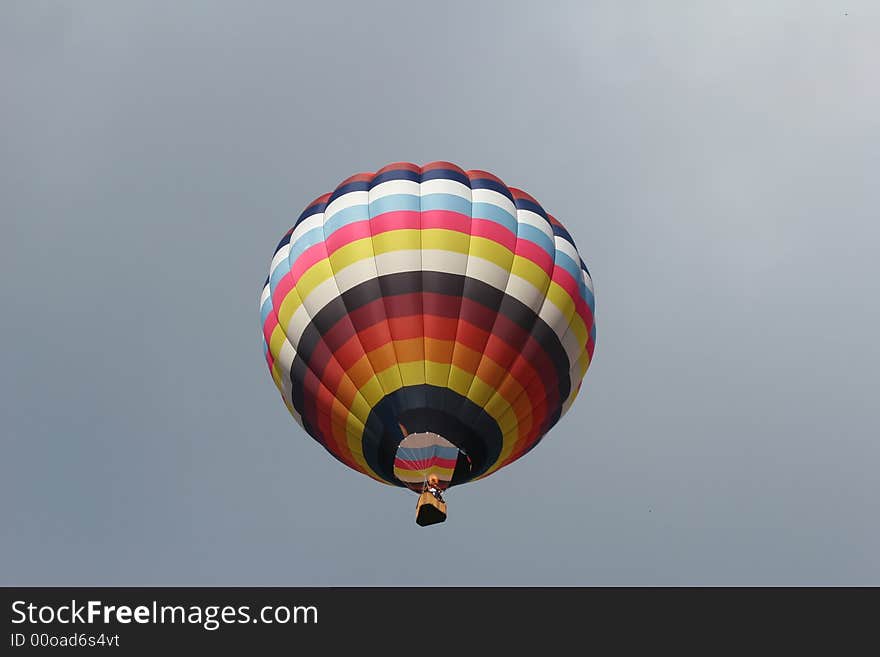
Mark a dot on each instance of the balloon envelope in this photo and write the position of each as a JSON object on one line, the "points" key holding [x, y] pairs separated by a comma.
{"points": [[427, 300]]}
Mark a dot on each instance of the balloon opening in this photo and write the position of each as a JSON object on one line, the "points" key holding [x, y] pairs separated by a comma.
{"points": [[432, 443]]}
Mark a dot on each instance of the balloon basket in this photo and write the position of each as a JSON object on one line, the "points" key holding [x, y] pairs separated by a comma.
{"points": [[429, 510]]}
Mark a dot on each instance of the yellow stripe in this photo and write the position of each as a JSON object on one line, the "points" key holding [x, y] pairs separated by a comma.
{"points": [[557, 295], [352, 252], [412, 373], [445, 240], [412, 239], [405, 239], [531, 272], [276, 341], [437, 373], [500, 409], [483, 247], [418, 476]]}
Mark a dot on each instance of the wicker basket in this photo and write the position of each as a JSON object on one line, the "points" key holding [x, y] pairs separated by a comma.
{"points": [[430, 510]]}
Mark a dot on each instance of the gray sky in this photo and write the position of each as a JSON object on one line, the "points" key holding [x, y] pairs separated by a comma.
{"points": [[717, 166]]}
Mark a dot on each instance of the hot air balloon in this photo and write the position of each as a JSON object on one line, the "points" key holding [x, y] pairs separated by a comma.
{"points": [[426, 323]]}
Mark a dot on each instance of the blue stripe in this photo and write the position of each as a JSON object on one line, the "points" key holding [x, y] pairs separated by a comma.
{"points": [[569, 265], [345, 217], [538, 237], [499, 215], [395, 203], [588, 298], [280, 272], [265, 309], [413, 454], [449, 202], [303, 242]]}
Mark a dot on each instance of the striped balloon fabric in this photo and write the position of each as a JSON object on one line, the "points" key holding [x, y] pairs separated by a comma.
{"points": [[432, 298], [421, 455]]}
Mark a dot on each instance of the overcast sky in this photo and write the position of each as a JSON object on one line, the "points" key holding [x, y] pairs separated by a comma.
{"points": [[717, 164]]}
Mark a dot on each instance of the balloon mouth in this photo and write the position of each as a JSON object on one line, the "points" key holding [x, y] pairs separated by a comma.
{"points": [[430, 441], [426, 460]]}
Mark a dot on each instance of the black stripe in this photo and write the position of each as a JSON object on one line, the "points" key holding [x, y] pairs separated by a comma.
{"points": [[441, 283], [526, 204], [384, 420], [315, 208], [494, 185], [395, 174], [353, 186], [446, 174]]}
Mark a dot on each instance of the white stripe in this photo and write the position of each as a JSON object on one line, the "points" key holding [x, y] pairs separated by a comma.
{"points": [[444, 261], [283, 362], [445, 186], [355, 274], [536, 220], [297, 324], [346, 201], [493, 197], [488, 272], [413, 260], [394, 187], [314, 221], [572, 347], [433, 260], [554, 318], [321, 295], [280, 256], [395, 262], [566, 247], [521, 289], [589, 283]]}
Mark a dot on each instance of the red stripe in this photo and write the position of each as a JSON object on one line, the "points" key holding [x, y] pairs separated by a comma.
{"points": [[479, 174], [398, 166], [440, 164], [520, 194], [433, 462], [358, 177]]}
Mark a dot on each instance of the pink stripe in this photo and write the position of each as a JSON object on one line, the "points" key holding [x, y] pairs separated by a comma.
{"points": [[535, 253], [447, 220], [572, 288], [396, 220], [269, 326], [352, 232], [493, 231], [404, 464], [279, 294], [408, 219], [309, 258], [567, 283]]}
